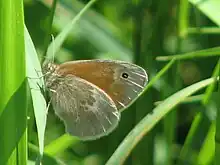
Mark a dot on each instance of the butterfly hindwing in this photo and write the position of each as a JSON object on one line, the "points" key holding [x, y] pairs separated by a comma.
{"points": [[87, 111]]}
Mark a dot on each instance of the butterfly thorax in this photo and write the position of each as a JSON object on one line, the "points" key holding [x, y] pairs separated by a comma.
{"points": [[51, 76]]}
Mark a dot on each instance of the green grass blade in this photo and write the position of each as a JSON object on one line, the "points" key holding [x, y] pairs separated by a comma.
{"points": [[211, 52], [49, 26], [58, 41], [147, 123], [47, 159], [97, 30], [61, 144], [206, 154], [211, 88], [187, 149], [183, 18], [13, 118], [204, 30], [217, 134], [159, 74], [207, 151]]}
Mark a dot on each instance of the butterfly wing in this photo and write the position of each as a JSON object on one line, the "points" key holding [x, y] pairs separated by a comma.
{"points": [[122, 81], [87, 111]]}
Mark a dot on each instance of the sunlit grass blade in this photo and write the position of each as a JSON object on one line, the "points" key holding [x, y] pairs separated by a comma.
{"points": [[58, 41], [208, 8], [188, 100], [147, 123], [211, 52], [39, 103], [13, 99]]}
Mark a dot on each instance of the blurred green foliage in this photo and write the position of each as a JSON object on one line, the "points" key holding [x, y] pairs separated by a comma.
{"points": [[136, 31]]}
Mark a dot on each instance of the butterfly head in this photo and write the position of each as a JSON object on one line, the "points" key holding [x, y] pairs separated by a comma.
{"points": [[49, 68]]}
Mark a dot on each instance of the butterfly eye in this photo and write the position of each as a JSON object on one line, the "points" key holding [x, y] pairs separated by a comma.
{"points": [[50, 67], [124, 75]]}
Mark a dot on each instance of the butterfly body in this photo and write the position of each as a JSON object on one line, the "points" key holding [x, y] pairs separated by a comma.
{"points": [[88, 95]]}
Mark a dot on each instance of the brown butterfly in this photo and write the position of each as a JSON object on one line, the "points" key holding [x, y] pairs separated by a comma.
{"points": [[88, 95]]}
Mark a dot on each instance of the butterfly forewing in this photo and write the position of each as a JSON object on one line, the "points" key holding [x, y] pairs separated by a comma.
{"points": [[129, 81], [87, 111], [122, 81]]}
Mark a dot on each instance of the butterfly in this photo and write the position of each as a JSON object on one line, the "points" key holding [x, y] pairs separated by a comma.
{"points": [[88, 95]]}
